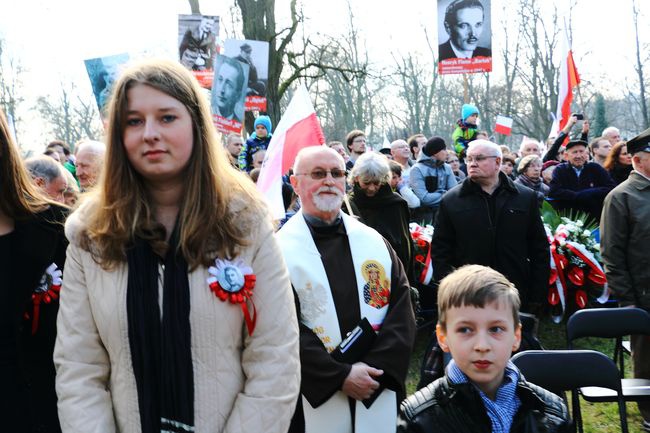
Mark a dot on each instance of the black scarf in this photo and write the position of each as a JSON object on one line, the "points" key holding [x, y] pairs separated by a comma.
{"points": [[160, 349]]}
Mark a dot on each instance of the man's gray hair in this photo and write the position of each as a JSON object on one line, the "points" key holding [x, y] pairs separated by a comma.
{"points": [[233, 135], [44, 167], [369, 167], [92, 146], [496, 150], [609, 130]]}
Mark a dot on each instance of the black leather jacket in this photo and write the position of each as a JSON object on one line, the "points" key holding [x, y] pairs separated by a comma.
{"points": [[445, 407]]}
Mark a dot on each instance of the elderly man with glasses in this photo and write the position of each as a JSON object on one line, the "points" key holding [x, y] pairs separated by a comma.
{"points": [[489, 220], [344, 272]]}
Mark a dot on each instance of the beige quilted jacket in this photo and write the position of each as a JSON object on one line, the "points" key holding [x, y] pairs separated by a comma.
{"points": [[241, 383]]}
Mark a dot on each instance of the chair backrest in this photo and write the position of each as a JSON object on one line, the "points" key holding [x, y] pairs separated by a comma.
{"points": [[564, 370], [607, 323]]}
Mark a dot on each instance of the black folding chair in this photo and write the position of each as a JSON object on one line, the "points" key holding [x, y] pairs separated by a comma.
{"points": [[569, 370], [612, 323]]}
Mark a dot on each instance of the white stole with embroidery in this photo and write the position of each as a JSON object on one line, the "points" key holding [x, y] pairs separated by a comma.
{"points": [[372, 266]]}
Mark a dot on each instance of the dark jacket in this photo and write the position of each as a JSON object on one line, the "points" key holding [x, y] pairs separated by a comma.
{"points": [[624, 240], [513, 241], [252, 146], [584, 194], [388, 213], [445, 407], [27, 394], [445, 51]]}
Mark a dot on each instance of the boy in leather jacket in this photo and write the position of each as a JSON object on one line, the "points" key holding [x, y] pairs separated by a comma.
{"points": [[482, 391]]}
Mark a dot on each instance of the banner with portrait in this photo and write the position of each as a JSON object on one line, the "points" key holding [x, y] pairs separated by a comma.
{"points": [[103, 72], [464, 36], [229, 93], [197, 45], [256, 55]]}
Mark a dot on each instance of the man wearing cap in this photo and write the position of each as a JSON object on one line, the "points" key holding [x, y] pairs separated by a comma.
{"points": [[490, 220], [431, 177], [580, 185], [625, 236]]}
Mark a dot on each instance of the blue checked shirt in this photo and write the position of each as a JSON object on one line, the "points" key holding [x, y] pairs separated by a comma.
{"points": [[503, 410]]}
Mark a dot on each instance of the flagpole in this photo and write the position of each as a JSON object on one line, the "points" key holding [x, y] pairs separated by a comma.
{"points": [[582, 102], [465, 89]]}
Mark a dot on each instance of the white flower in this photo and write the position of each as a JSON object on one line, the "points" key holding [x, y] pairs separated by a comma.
{"points": [[579, 223], [586, 233]]}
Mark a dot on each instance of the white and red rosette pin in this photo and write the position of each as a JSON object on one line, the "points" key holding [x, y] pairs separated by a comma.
{"points": [[47, 290], [234, 281]]}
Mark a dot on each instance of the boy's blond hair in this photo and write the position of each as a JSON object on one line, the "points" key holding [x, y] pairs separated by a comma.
{"points": [[476, 286]]}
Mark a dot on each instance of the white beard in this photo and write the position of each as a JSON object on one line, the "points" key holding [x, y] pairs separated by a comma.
{"points": [[327, 203]]}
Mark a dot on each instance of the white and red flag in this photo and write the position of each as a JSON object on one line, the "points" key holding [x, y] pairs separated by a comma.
{"points": [[298, 128], [503, 125], [569, 79]]}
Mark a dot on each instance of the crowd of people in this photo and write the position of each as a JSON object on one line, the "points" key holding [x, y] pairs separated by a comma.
{"points": [[172, 302]]}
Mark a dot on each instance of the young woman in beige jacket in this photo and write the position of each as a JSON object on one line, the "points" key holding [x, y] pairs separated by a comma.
{"points": [[176, 308]]}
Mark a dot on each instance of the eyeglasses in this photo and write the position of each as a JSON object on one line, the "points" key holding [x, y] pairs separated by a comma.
{"points": [[479, 158], [319, 174]]}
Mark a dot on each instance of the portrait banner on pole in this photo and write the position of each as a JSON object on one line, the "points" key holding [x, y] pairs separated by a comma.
{"points": [[256, 55], [197, 45], [465, 36], [228, 93], [103, 72]]}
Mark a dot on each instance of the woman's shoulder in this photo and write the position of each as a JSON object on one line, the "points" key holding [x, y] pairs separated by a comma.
{"points": [[77, 222], [249, 212]]}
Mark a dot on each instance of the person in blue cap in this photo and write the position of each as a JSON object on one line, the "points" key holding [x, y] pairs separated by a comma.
{"points": [[259, 139], [466, 129]]}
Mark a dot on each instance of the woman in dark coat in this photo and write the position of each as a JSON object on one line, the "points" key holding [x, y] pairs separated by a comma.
{"points": [[373, 200], [618, 162], [32, 254]]}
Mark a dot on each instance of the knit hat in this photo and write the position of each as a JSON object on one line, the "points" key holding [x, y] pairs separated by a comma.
{"points": [[433, 146], [550, 163], [526, 161], [264, 121], [468, 110]]}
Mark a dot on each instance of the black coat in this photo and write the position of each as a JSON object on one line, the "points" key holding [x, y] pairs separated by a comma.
{"points": [[27, 393], [514, 242], [388, 213], [445, 407], [585, 194]]}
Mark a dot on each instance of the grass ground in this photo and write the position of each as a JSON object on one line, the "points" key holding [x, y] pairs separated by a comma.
{"points": [[600, 417]]}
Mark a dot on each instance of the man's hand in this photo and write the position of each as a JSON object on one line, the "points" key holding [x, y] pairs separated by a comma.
{"points": [[585, 127], [569, 124], [360, 383]]}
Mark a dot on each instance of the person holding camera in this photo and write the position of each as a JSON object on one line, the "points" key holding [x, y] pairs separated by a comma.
{"points": [[555, 153]]}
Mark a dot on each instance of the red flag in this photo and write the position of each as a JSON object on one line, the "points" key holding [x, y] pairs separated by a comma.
{"points": [[569, 78], [298, 128], [503, 125]]}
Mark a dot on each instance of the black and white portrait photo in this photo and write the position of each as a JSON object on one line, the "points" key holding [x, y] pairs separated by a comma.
{"points": [[231, 279], [464, 29]]}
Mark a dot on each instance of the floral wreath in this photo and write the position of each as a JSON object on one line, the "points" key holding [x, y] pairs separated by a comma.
{"points": [[240, 293], [47, 290]]}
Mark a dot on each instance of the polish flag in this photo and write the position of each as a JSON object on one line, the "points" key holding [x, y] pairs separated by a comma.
{"points": [[569, 78], [503, 125], [298, 128]]}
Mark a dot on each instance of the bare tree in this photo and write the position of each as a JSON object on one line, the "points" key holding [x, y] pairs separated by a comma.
{"points": [[69, 116], [642, 100], [10, 84]]}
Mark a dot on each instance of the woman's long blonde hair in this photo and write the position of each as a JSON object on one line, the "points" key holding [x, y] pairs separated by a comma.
{"points": [[122, 210], [19, 197]]}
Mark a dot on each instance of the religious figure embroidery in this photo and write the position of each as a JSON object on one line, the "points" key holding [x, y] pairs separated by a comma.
{"points": [[376, 291], [312, 302]]}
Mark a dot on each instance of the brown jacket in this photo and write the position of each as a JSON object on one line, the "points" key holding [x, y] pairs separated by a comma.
{"points": [[625, 237]]}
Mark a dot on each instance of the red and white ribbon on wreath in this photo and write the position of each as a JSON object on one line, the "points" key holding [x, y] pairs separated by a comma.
{"points": [[597, 274], [48, 290], [234, 281]]}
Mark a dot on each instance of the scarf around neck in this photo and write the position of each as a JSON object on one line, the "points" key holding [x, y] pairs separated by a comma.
{"points": [[160, 343]]}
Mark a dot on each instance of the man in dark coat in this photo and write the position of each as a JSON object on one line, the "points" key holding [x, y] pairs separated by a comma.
{"points": [[625, 236], [580, 185], [489, 220]]}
